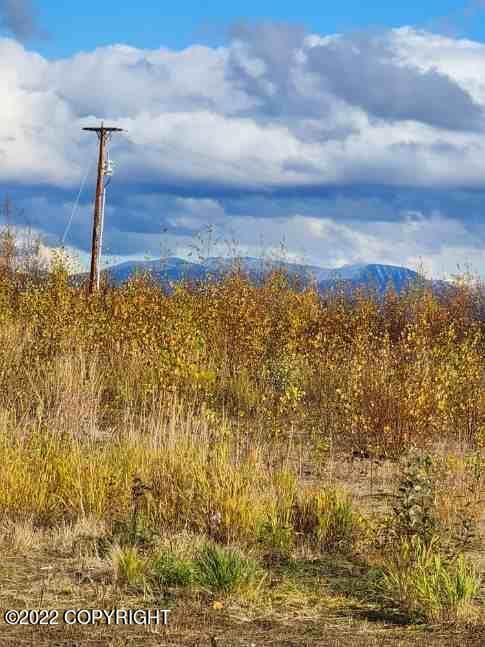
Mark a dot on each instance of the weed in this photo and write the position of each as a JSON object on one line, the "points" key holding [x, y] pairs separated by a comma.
{"points": [[277, 540], [130, 567], [327, 519], [224, 570], [170, 570], [428, 587]]}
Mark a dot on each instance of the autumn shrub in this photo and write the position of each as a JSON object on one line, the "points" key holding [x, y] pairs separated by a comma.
{"points": [[374, 375]]}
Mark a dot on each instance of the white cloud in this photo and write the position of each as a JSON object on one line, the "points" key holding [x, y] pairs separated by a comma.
{"points": [[188, 117], [247, 118], [460, 59]]}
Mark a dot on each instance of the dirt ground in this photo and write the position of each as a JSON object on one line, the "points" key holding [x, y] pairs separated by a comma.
{"points": [[46, 581]]}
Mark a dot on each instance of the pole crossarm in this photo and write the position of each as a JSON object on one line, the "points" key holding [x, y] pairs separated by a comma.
{"points": [[104, 130], [104, 134], [110, 129]]}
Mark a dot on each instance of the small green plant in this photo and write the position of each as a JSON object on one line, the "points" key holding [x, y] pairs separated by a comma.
{"points": [[223, 570], [170, 570], [129, 566], [414, 509], [428, 587], [277, 540]]}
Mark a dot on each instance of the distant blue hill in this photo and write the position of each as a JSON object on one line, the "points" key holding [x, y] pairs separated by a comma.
{"points": [[173, 269]]}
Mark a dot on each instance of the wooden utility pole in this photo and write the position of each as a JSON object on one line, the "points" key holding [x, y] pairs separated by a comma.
{"points": [[104, 135]]}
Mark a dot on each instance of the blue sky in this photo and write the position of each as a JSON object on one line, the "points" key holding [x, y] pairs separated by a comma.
{"points": [[347, 134], [151, 24]]}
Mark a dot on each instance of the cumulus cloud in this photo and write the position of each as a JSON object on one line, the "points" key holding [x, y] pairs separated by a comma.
{"points": [[287, 70], [365, 72], [275, 110], [278, 129]]}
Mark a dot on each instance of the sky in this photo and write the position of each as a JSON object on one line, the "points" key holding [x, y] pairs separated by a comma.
{"points": [[345, 136], [66, 28]]}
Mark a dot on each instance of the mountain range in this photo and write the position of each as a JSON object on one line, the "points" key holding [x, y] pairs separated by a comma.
{"points": [[172, 269]]}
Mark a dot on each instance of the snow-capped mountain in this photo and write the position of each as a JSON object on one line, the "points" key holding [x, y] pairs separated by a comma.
{"points": [[173, 269]]}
